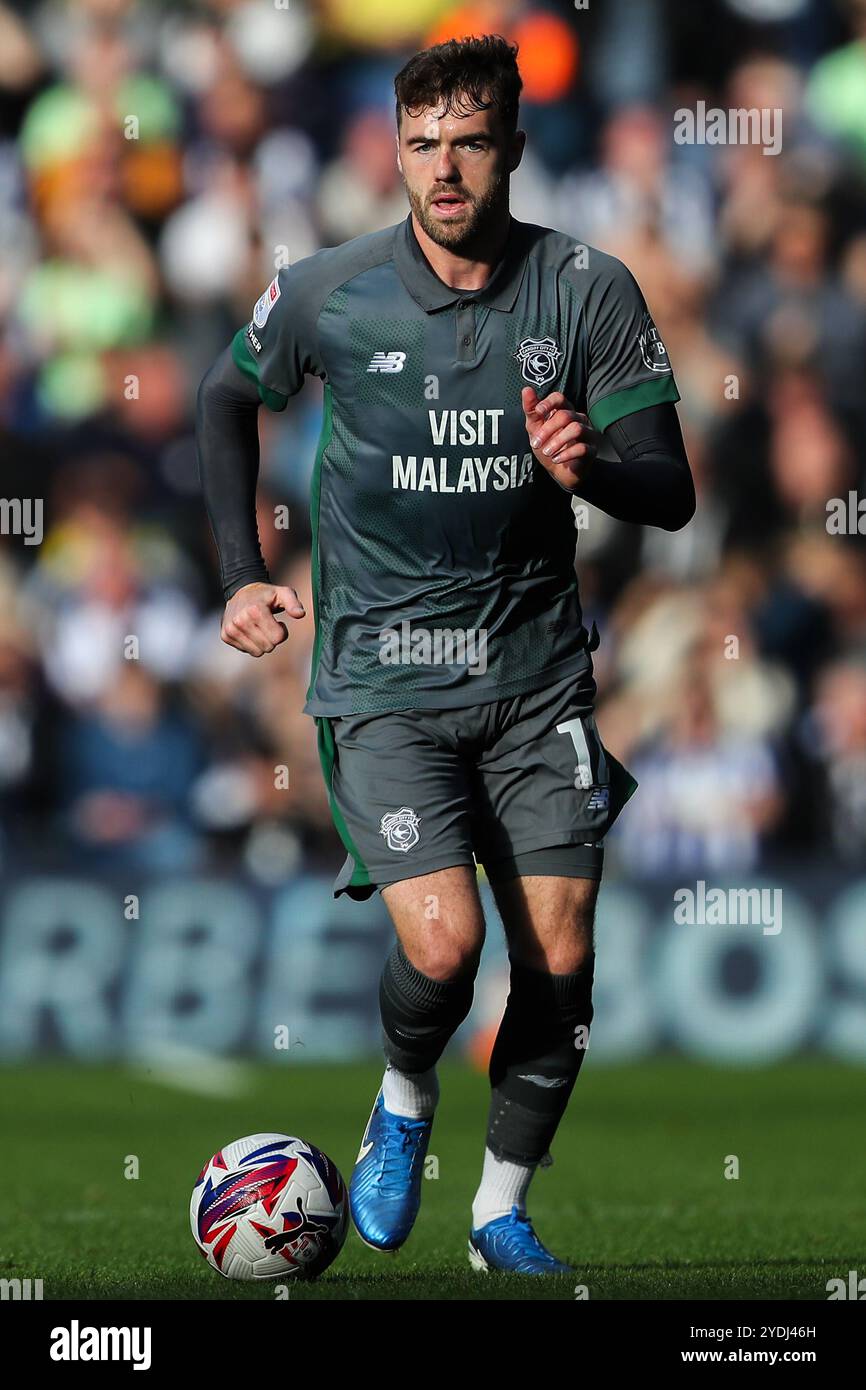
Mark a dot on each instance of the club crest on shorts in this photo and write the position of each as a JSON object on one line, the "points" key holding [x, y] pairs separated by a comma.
{"points": [[400, 829], [538, 358]]}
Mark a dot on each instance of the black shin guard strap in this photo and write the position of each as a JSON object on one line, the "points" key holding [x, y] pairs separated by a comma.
{"points": [[419, 1015], [536, 1058]]}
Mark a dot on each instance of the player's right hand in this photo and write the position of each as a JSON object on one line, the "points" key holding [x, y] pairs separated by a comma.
{"points": [[249, 622]]}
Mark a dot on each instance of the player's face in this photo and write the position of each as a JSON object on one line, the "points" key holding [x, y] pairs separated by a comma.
{"points": [[456, 170]]}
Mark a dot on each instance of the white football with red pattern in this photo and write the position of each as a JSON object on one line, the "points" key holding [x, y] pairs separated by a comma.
{"points": [[269, 1207]]}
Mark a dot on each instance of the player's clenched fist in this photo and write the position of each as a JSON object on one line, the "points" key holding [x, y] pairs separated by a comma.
{"points": [[560, 437], [249, 623]]}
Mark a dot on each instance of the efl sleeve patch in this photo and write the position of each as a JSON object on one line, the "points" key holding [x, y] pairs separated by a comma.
{"points": [[280, 338], [266, 302]]}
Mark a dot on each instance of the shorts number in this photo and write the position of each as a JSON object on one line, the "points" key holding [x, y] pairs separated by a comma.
{"points": [[585, 776]]}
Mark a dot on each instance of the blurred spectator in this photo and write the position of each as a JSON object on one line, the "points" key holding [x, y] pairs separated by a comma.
{"points": [[125, 767], [836, 731], [362, 190], [836, 93], [791, 310], [709, 793], [638, 187]]}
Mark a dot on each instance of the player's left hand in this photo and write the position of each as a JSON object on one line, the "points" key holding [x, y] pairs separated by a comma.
{"points": [[560, 437]]}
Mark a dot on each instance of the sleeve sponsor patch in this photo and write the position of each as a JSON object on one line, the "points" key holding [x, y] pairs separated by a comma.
{"points": [[265, 303], [652, 349]]}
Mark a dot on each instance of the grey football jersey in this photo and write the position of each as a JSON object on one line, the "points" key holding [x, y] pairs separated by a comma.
{"points": [[443, 554]]}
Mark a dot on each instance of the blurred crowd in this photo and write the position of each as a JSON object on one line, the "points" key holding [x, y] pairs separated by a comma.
{"points": [[155, 160]]}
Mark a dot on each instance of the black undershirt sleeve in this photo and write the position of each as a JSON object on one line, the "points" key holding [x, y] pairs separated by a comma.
{"points": [[227, 436], [650, 483]]}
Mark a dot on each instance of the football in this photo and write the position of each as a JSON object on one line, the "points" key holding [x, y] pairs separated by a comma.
{"points": [[268, 1207]]}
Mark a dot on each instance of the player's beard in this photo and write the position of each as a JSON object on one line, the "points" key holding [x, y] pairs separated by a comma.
{"points": [[470, 233]]}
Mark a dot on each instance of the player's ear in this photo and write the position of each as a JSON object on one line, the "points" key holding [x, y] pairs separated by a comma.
{"points": [[515, 152], [399, 160]]}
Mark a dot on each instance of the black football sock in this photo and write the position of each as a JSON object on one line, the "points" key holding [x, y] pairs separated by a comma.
{"points": [[419, 1014], [535, 1059]]}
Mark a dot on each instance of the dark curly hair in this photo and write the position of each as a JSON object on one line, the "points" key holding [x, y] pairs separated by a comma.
{"points": [[462, 75]]}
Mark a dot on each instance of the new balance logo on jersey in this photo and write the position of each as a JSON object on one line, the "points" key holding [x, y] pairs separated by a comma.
{"points": [[387, 362]]}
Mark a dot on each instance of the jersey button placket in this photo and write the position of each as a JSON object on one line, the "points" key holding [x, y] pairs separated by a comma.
{"points": [[465, 331]]}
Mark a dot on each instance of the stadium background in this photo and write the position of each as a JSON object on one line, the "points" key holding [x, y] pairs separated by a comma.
{"points": [[165, 895]]}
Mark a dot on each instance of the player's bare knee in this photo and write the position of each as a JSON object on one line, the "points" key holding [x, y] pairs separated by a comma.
{"points": [[440, 922], [445, 955], [567, 957]]}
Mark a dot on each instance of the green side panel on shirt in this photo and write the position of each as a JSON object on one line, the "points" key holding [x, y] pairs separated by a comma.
{"points": [[315, 497], [246, 363]]}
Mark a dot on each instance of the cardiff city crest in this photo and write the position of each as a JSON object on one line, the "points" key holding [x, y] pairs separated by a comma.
{"points": [[538, 358], [400, 829]]}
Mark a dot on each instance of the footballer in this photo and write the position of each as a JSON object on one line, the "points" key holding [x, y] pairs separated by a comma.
{"points": [[476, 372]]}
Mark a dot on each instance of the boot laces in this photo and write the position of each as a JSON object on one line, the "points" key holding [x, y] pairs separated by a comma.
{"points": [[400, 1138]]}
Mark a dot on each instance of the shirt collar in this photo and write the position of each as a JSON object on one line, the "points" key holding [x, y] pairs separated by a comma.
{"points": [[431, 293]]}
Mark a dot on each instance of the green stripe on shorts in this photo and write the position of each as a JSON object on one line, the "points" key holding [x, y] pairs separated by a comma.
{"points": [[327, 749]]}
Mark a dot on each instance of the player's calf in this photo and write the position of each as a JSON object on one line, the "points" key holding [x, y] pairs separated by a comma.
{"points": [[420, 1013], [533, 1069]]}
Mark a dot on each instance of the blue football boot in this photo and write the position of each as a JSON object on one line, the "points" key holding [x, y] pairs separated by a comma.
{"points": [[510, 1244], [385, 1190]]}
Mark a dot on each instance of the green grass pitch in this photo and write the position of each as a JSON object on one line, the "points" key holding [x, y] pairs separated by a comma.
{"points": [[636, 1199]]}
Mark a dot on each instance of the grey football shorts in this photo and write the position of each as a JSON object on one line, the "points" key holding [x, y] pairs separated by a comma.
{"points": [[522, 786]]}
